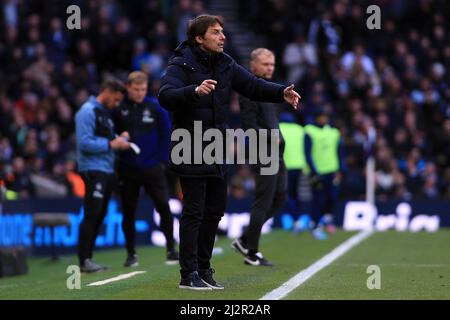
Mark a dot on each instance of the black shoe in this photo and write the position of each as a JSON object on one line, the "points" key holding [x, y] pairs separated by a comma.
{"points": [[132, 261], [90, 266], [193, 282], [172, 258], [257, 259], [239, 246], [207, 277]]}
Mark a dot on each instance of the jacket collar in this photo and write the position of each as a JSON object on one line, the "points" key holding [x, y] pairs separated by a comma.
{"points": [[206, 58], [193, 56], [93, 99], [128, 101]]}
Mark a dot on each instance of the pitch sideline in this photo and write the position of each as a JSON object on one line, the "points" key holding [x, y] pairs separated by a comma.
{"points": [[323, 262], [118, 278]]}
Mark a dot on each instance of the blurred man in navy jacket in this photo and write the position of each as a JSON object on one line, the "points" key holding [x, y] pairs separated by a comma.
{"points": [[149, 127]]}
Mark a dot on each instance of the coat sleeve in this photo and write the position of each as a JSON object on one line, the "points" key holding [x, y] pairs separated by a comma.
{"points": [[249, 113], [164, 127], [175, 92], [87, 141], [255, 88]]}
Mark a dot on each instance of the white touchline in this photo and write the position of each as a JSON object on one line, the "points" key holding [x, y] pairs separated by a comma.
{"points": [[120, 277], [304, 275]]}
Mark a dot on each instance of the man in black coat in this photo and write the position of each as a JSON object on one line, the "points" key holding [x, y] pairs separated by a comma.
{"points": [[197, 87]]}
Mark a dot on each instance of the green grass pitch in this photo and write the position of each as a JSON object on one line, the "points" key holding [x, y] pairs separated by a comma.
{"points": [[413, 266]]}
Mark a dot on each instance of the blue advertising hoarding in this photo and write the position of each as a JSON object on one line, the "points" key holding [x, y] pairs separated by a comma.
{"points": [[18, 227]]}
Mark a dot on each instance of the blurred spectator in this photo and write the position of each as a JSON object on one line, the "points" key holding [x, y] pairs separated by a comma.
{"points": [[297, 56], [362, 70], [184, 14], [151, 62], [10, 9], [242, 183], [22, 183], [77, 187], [323, 33], [57, 42], [59, 176], [6, 150], [430, 189]]}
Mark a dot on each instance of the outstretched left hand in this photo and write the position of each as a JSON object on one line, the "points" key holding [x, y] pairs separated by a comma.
{"points": [[291, 96]]}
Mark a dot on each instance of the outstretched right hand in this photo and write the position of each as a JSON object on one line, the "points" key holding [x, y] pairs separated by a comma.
{"points": [[206, 87], [291, 96]]}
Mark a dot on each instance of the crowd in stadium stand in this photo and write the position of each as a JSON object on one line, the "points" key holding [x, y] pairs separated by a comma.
{"points": [[395, 79]]}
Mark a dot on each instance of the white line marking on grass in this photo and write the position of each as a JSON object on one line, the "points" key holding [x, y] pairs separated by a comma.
{"points": [[119, 277], [304, 275], [408, 265]]}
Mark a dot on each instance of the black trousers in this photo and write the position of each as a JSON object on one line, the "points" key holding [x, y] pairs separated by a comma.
{"points": [[294, 205], [204, 202], [325, 195], [155, 185], [270, 195], [98, 191]]}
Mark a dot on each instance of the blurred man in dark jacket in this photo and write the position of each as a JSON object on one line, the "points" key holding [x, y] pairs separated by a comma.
{"points": [[149, 128], [270, 190], [197, 87]]}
